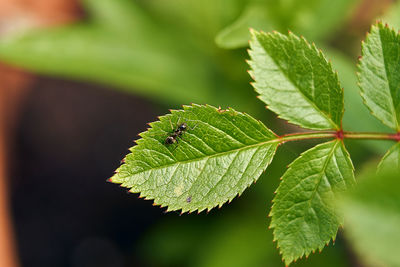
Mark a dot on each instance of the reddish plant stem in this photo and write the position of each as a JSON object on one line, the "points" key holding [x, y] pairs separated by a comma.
{"points": [[340, 135]]}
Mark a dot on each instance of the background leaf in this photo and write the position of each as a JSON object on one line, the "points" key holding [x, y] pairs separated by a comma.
{"points": [[296, 81], [303, 214], [237, 34], [391, 16], [217, 158], [379, 74], [391, 160], [315, 19], [92, 52], [151, 48], [372, 214]]}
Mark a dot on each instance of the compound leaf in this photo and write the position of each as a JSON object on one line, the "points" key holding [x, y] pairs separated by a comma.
{"points": [[303, 214], [391, 159], [296, 81], [379, 74], [218, 156]]}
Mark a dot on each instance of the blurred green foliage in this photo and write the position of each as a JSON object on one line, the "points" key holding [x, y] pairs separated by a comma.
{"points": [[164, 49], [159, 49], [314, 19], [372, 213], [172, 52], [392, 16]]}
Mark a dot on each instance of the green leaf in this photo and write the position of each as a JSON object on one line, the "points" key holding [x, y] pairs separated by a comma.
{"points": [[219, 155], [379, 74], [303, 215], [189, 16], [391, 159], [296, 81], [372, 214], [237, 34], [315, 19]]}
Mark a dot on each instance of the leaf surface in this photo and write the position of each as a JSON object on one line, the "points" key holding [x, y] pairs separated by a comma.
{"points": [[303, 214], [379, 74], [296, 81], [219, 155]]}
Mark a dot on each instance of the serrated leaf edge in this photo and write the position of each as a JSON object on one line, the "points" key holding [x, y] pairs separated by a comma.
{"points": [[277, 140], [306, 254], [312, 46], [378, 25]]}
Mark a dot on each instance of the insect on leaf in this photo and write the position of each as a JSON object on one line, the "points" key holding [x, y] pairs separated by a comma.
{"points": [[296, 81], [303, 214], [217, 157], [379, 74]]}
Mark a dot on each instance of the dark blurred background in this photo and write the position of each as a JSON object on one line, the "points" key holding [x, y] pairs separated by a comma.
{"points": [[80, 79]]}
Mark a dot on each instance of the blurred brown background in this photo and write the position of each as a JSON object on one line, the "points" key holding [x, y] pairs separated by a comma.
{"points": [[56, 207]]}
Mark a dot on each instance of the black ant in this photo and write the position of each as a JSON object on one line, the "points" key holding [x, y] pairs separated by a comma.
{"points": [[173, 138], [178, 132]]}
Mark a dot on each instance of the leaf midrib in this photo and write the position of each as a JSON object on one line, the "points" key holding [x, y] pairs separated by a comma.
{"points": [[301, 93], [322, 172], [277, 140], [331, 152]]}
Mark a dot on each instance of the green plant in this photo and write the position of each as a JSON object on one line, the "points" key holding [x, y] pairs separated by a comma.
{"points": [[222, 151]]}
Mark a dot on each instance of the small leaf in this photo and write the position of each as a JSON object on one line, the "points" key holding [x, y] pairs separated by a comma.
{"points": [[314, 19], [391, 159], [219, 155], [237, 34], [372, 214], [379, 74], [303, 214], [296, 81]]}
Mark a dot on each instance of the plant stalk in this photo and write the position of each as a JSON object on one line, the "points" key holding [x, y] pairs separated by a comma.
{"points": [[340, 135]]}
